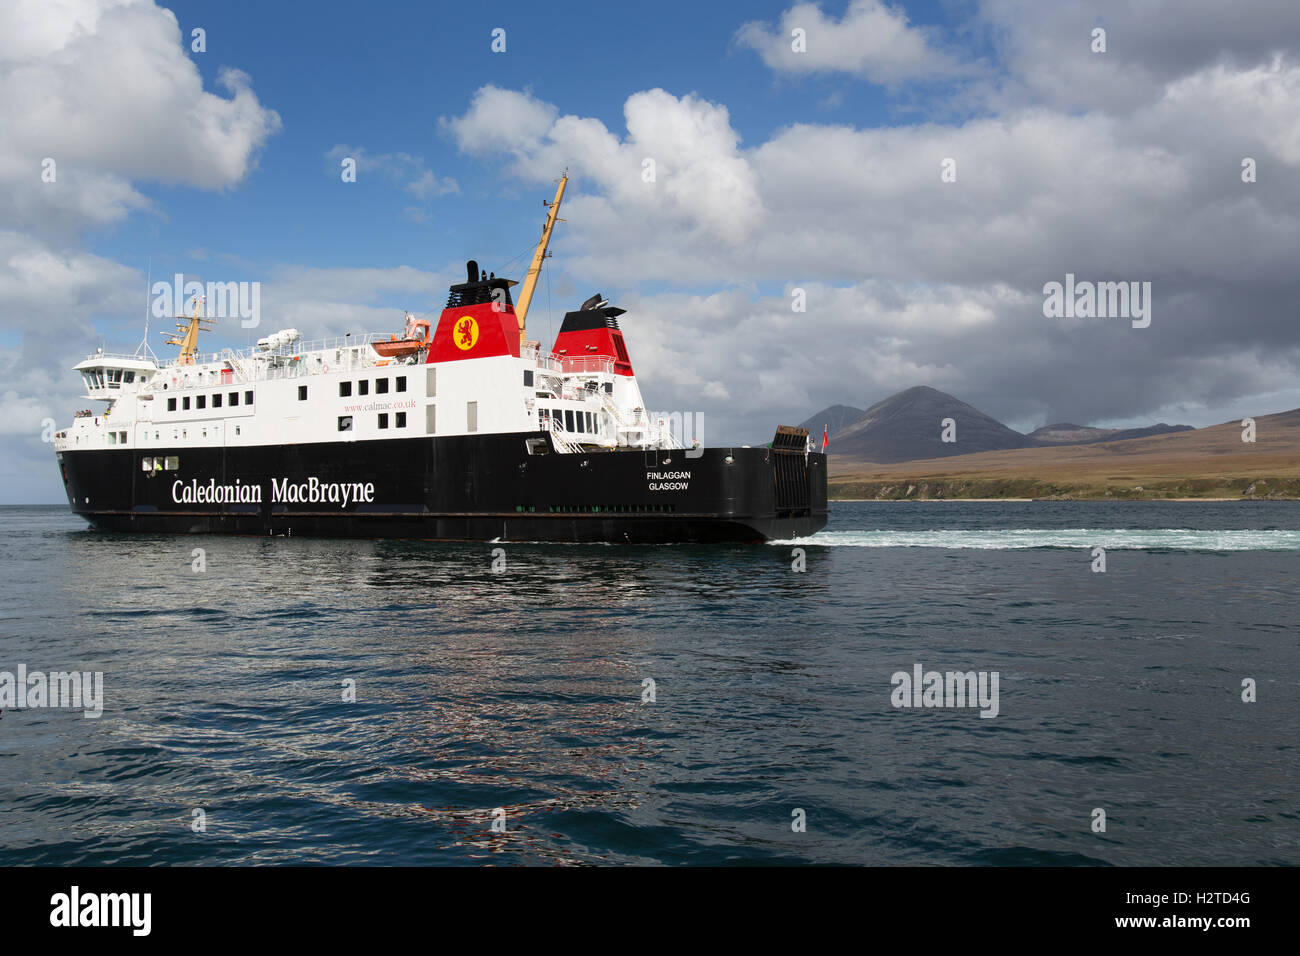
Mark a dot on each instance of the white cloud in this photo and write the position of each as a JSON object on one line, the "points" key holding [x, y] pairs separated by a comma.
{"points": [[872, 40], [107, 90], [409, 172], [50, 298], [940, 283], [702, 188], [1046, 57], [323, 303]]}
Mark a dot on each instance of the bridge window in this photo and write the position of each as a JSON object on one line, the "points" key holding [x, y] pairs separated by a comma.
{"points": [[201, 401], [129, 377], [171, 404], [234, 399], [216, 400], [185, 403]]}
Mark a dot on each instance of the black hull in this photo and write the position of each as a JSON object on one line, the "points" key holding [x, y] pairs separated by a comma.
{"points": [[471, 488]]}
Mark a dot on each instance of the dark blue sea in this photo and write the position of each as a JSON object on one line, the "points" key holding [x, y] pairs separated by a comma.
{"points": [[521, 695]]}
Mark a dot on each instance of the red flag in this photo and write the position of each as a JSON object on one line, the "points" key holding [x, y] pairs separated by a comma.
{"points": [[826, 441]]}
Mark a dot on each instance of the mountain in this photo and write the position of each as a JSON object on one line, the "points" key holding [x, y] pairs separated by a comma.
{"points": [[1067, 434], [837, 417], [909, 425]]}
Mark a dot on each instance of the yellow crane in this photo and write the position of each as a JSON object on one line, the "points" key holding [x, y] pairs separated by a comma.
{"points": [[535, 270]]}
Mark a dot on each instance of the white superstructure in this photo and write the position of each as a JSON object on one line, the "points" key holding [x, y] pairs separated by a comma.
{"points": [[343, 390]]}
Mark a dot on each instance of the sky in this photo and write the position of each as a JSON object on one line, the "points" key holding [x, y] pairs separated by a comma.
{"points": [[848, 198]]}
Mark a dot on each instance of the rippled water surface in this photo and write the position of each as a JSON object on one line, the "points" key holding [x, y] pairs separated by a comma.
{"points": [[523, 690]]}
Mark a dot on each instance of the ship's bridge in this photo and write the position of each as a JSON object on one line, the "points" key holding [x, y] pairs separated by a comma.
{"points": [[107, 376]]}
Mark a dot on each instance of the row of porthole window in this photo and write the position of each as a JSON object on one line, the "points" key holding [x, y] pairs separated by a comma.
{"points": [[399, 421], [182, 434], [201, 401]]}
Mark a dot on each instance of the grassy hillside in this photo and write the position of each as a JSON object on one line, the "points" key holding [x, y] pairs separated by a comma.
{"points": [[1207, 463]]}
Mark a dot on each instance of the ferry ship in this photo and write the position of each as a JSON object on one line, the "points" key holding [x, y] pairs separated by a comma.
{"points": [[460, 430]]}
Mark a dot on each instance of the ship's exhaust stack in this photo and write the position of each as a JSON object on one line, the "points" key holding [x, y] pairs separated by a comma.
{"points": [[479, 320], [593, 330]]}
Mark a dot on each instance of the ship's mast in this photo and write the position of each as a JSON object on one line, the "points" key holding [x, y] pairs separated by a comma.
{"points": [[144, 350], [534, 270], [189, 343]]}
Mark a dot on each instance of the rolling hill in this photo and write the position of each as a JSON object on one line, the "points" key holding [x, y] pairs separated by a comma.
{"points": [[1067, 434]]}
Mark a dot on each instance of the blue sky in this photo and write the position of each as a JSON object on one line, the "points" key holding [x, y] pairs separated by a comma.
{"points": [[777, 170], [382, 75]]}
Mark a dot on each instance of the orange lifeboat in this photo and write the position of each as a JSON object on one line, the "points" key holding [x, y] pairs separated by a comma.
{"points": [[415, 337]]}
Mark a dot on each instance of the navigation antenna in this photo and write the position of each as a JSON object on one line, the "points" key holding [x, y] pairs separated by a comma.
{"points": [[534, 270], [143, 348], [190, 327]]}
